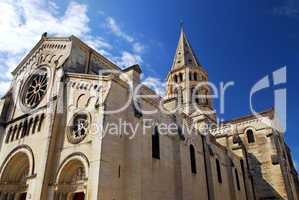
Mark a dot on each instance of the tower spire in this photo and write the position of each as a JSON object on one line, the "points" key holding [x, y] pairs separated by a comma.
{"points": [[181, 25], [184, 55], [183, 89]]}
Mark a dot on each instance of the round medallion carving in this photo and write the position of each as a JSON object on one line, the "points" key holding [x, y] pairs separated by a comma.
{"points": [[78, 128]]}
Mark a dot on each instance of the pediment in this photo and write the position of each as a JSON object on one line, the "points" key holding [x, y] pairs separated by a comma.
{"points": [[52, 52]]}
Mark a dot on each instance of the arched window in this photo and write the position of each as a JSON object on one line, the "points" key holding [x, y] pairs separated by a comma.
{"points": [[218, 168], [156, 144], [190, 76], [237, 179], [250, 136], [192, 159], [181, 76], [195, 76], [175, 78]]}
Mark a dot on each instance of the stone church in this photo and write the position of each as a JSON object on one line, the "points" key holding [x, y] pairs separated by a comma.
{"points": [[54, 144]]}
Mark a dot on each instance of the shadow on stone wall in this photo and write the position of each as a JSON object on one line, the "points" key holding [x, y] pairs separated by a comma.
{"points": [[263, 190]]}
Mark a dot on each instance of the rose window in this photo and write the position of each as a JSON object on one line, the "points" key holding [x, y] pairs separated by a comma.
{"points": [[36, 89], [78, 129]]}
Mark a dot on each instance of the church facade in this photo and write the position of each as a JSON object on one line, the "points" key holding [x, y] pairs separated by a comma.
{"points": [[59, 140]]}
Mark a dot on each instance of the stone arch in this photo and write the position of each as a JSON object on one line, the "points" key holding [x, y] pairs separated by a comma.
{"points": [[249, 128], [73, 157], [250, 134], [15, 171], [91, 101], [72, 176], [26, 150], [81, 101]]}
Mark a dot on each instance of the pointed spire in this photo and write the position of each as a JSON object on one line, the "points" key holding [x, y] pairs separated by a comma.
{"points": [[184, 55], [182, 25]]}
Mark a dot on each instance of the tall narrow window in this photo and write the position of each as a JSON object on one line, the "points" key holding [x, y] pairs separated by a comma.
{"points": [[36, 119], [25, 128], [8, 135], [181, 77], [237, 179], [250, 136], [190, 76], [30, 126], [242, 167], [192, 159], [19, 130], [14, 133], [41, 122], [195, 76], [175, 78], [218, 168], [156, 144]]}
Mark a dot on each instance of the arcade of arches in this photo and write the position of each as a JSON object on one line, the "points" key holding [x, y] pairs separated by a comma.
{"points": [[71, 182]]}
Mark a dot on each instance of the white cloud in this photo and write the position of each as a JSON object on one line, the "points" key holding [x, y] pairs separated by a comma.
{"points": [[155, 84], [138, 48], [23, 21], [53, 7], [295, 164], [98, 43], [4, 86], [114, 27], [127, 59]]}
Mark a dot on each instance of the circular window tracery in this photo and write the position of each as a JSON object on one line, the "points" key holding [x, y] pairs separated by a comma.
{"points": [[35, 89], [78, 128]]}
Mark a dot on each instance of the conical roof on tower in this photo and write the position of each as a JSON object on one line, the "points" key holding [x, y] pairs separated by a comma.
{"points": [[184, 55]]}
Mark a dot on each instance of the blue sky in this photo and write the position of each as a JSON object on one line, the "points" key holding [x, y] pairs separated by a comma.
{"points": [[240, 41]]}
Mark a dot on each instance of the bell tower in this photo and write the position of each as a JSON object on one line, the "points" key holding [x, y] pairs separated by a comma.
{"points": [[187, 83]]}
